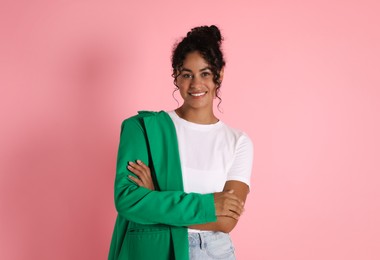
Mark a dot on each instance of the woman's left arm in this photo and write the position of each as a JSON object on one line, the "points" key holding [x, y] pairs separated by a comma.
{"points": [[226, 224], [239, 174]]}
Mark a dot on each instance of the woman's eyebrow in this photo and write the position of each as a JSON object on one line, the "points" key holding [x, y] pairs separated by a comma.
{"points": [[206, 68], [189, 70]]}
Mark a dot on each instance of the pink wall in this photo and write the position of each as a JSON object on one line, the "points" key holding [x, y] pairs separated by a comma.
{"points": [[301, 78]]}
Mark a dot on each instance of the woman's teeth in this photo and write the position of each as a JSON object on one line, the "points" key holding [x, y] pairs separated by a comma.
{"points": [[197, 94]]}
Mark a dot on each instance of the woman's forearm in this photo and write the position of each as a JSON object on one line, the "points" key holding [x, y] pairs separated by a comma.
{"points": [[223, 224]]}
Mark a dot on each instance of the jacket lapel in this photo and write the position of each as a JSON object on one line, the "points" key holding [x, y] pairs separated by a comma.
{"points": [[163, 147]]}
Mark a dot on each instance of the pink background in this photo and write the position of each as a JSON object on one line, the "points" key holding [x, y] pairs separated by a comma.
{"points": [[302, 79]]}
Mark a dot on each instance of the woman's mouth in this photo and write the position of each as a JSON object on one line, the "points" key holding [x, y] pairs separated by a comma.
{"points": [[197, 94]]}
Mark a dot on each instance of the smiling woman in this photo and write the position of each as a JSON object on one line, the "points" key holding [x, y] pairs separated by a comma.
{"points": [[196, 84], [183, 175]]}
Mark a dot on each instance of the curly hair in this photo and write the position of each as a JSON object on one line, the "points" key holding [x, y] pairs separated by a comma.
{"points": [[207, 41]]}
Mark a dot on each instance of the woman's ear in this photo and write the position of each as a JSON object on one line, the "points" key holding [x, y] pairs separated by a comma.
{"points": [[221, 75], [175, 77]]}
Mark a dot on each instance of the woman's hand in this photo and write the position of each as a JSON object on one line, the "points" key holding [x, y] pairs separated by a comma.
{"points": [[228, 204], [142, 172]]}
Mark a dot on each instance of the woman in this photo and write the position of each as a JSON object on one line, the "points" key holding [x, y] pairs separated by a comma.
{"points": [[182, 176]]}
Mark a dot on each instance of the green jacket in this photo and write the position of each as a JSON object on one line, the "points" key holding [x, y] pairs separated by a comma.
{"points": [[153, 224]]}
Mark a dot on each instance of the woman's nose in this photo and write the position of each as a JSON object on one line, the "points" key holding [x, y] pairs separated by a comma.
{"points": [[196, 81]]}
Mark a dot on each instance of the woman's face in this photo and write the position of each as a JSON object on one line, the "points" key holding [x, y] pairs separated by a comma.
{"points": [[195, 82]]}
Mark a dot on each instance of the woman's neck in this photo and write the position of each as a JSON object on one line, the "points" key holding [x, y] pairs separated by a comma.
{"points": [[198, 116]]}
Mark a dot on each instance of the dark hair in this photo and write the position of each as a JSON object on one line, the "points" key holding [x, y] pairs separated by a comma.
{"points": [[207, 41]]}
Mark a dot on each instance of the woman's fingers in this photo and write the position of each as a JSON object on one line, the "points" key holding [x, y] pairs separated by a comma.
{"points": [[232, 210], [136, 168], [142, 172], [144, 166], [232, 199], [232, 215], [228, 204], [136, 180]]}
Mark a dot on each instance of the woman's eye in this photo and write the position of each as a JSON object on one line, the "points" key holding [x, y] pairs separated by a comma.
{"points": [[186, 76], [205, 74]]}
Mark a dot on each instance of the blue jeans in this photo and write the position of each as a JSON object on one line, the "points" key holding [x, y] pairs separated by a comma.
{"points": [[210, 245]]}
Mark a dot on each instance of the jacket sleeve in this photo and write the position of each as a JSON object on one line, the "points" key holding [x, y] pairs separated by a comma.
{"points": [[144, 206]]}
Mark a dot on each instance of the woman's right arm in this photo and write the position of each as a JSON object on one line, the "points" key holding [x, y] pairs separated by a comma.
{"points": [[145, 206]]}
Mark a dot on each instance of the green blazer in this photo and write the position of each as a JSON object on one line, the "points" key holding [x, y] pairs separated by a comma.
{"points": [[153, 224]]}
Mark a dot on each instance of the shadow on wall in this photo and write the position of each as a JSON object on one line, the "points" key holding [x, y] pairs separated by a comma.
{"points": [[60, 168]]}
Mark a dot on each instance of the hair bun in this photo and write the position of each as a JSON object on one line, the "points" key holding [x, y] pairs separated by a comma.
{"points": [[216, 33], [210, 32]]}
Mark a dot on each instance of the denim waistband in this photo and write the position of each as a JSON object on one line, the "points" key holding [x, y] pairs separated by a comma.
{"points": [[198, 239]]}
